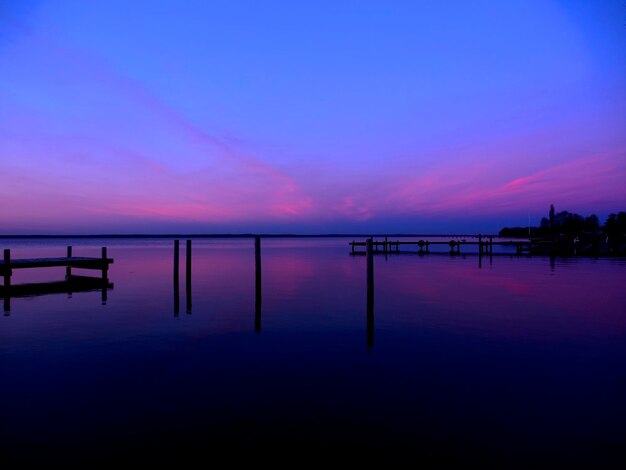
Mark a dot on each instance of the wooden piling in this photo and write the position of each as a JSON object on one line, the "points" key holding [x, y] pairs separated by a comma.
{"points": [[105, 275], [7, 281], [370, 263], [105, 265], [176, 278], [188, 259], [68, 269], [188, 277], [176, 257], [7, 268], [370, 269], [258, 283]]}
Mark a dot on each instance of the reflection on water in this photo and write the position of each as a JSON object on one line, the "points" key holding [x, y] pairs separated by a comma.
{"points": [[510, 361]]}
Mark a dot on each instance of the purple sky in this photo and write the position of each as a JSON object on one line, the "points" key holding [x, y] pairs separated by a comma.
{"points": [[309, 117]]}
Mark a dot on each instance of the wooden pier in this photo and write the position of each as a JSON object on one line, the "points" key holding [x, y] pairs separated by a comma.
{"points": [[71, 284], [484, 244]]}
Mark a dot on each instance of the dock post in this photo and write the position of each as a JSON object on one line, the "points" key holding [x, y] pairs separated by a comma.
{"points": [[370, 264], [258, 284], [188, 276], [480, 244], [105, 275], [370, 295], [105, 265], [386, 245], [7, 280], [176, 278], [7, 268], [352, 246], [188, 259], [176, 257], [68, 269]]}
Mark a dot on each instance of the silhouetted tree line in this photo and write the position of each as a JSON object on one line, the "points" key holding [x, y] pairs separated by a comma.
{"points": [[574, 230]]}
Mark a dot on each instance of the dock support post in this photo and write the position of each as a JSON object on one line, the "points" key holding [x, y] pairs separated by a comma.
{"points": [[370, 264], [7, 268], [176, 278], [480, 244], [68, 269], [176, 257], [188, 276], [105, 275], [7, 280], [370, 294], [105, 265], [258, 284], [352, 246]]}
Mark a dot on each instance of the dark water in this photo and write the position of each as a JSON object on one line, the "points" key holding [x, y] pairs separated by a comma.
{"points": [[518, 362]]}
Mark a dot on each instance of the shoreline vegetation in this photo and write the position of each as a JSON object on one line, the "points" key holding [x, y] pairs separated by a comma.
{"points": [[568, 233]]}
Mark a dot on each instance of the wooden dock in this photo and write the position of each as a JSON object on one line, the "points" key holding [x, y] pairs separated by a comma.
{"points": [[484, 245], [71, 284]]}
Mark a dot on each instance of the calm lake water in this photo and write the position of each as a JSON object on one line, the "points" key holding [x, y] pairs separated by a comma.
{"points": [[516, 361]]}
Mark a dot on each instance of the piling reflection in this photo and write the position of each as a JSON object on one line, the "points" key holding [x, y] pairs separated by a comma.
{"points": [[176, 296], [370, 295], [176, 285]]}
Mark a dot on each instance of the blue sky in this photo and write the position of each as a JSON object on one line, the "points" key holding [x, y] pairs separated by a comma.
{"points": [[125, 116]]}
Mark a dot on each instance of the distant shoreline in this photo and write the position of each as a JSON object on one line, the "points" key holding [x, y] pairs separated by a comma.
{"points": [[249, 235]]}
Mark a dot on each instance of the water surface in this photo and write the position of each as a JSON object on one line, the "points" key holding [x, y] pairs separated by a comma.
{"points": [[509, 360]]}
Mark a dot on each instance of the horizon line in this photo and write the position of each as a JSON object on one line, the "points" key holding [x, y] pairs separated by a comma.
{"points": [[246, 235]]}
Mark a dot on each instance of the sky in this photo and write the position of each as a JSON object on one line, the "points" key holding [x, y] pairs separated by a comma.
{"points": [[136, 116]]}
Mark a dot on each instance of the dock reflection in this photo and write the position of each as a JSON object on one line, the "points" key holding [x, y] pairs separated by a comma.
{"points": [[177, 278], [69, 286]]}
